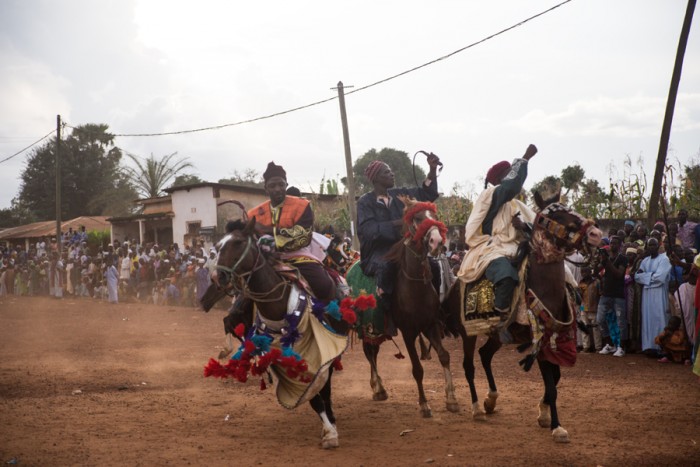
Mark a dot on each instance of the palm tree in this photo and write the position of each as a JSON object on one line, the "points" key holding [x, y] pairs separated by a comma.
{"points": [[151, 175]]}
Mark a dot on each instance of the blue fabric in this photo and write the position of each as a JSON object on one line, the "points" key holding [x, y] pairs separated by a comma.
{"points": [[654, 274]]}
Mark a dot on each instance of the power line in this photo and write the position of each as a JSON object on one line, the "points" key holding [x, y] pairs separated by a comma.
{"points": [[362, 88], [33, 144]]}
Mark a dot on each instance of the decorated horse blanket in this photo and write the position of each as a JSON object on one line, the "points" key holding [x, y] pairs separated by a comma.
{"points": [[297, 351], [371, 324]]}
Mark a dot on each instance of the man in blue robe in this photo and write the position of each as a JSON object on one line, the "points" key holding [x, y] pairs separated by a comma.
{"points": [[654, 274]]}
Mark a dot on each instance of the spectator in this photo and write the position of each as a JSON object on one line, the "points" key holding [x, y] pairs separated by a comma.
{"points": [[673, 342], [590, 290], [686, 229], [614, 265], [654, 274]]}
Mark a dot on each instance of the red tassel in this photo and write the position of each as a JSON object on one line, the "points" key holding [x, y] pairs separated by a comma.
{"points": [[263, 386], [240, 330], [399, 355], [337, 364]]}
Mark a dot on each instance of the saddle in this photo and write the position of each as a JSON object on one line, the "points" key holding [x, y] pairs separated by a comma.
{"points": [[477, 305]]}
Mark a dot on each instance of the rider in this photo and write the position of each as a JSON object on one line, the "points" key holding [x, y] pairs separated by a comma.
{"points": [[490, 234], [289, 219], [380, 219]]}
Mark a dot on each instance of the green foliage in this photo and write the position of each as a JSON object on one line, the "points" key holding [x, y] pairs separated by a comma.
{"points": [[572, 178], [17, 214], [90, 171], [249, 177], [627, 196], [690, 189], [328, 186], [337, 215], [98, 240], [151, 175], [455, 208], [186, 179], [400, 164]]}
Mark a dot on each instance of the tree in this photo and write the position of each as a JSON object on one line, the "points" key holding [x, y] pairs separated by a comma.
{"points": [[186, 179], [399, 162], [547, 186], [90, 171], [151, 175], [571, 178], [249, 177]]}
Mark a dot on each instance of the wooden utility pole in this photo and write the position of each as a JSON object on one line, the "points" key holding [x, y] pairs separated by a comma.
{"points": [[668, 117], [59, 237], [352, 205]]}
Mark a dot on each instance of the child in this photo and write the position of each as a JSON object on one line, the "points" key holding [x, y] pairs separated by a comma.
{"points": [[673, 342], [589, 287]]}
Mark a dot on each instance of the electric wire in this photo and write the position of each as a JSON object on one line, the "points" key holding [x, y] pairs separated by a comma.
{"points": [[28, 147], [362, 88]]}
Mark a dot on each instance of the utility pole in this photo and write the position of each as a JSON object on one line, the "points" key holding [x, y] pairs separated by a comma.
{"points": [[668, 117], [59, 237], [352, 205]]}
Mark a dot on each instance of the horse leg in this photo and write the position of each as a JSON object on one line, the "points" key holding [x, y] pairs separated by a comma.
{"points": [[435, 339], [424, 350], [417, 370], [468, 347], [321, 405], [551, 374], [486, 352], [375, 381]]}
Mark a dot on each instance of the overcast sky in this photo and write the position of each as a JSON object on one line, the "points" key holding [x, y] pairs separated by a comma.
{"points": [[587, 82]]}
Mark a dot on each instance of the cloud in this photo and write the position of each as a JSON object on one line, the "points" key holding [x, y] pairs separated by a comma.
{"points": [[628, 117]]}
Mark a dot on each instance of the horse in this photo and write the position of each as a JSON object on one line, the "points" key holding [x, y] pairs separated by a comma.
{"points": [[557, 229], [243, 267], [415, 305]]}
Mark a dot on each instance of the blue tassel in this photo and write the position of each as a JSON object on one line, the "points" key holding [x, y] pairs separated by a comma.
{"points": [[262, 342], [333, 310], [289, 352], [237, 355]]}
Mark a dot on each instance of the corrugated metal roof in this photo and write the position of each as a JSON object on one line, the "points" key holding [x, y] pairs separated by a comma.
{"points": [[48, 228]]}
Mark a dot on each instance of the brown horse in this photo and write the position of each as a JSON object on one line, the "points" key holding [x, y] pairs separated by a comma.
{"points": [[415, 307], [242, 267], [557, 230]]}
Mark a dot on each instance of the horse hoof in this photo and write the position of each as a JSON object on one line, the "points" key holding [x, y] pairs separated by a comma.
{"points": [[478, 414], [453, 407], [329, 438], [380, 396], [560, 435], [544, 419], [426, 412], [490, 402]]}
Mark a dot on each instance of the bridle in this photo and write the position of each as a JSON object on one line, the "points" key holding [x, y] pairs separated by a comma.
{"points": [[418, 233], [240, 282], [559, 232]]}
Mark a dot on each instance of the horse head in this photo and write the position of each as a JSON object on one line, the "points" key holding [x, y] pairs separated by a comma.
{"points": [[423, 230], [568, 229], [337, 258], [238, 255]]}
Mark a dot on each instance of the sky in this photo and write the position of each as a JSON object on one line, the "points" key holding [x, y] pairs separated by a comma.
{"points": [[586, 83]]}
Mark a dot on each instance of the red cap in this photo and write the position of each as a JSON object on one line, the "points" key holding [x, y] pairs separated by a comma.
{"points": [[497, 172]]}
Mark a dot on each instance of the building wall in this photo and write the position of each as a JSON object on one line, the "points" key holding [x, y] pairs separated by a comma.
{"points": [[194, 205]]}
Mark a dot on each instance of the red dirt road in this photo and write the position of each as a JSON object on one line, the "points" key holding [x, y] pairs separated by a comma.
{"points": [[86, 383]]}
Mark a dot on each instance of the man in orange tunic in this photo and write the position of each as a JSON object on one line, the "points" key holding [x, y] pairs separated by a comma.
{"points": [[290, 220]]}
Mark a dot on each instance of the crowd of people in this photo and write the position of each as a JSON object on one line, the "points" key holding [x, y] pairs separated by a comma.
{"points": [[637, 291], [123, 271]]}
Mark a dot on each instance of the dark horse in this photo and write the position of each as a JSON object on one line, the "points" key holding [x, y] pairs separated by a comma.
{"points": [[242, 266], [415, 303], [557, 230]]}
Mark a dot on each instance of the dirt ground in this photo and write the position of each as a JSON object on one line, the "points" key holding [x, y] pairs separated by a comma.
{"points": [[87, 383]]}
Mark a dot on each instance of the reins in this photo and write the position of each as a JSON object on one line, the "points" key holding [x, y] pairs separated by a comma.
{"points": [[240, 282]]}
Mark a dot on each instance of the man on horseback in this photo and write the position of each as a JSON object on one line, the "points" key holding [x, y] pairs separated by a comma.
{"points": [[289, 220], [379, 220], [490, 235]]}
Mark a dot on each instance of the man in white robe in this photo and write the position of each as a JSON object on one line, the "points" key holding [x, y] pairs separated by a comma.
{"points": [[490, 234], [654, 274], [112, 277]]}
